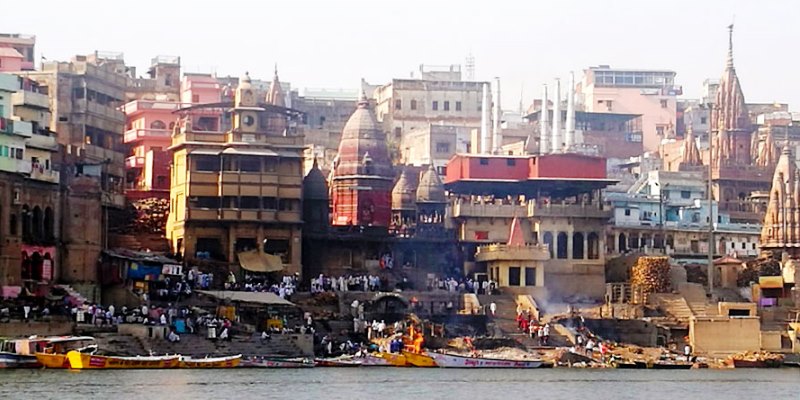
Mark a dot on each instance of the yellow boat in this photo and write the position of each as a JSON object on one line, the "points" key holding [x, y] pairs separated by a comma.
{"points": [[214, 362], [394, 359], [88, 361], [53, 361], [419, 359], [54, 355]]}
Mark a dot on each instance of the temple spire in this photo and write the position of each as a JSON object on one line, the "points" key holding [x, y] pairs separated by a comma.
{"points": [[729, 63]]}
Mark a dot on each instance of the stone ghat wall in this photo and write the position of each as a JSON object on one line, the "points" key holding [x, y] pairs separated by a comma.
{"points": [[54, 328]]}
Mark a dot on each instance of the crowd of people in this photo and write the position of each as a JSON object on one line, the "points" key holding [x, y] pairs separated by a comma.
{"points": [[462, 285], [349, 283]]}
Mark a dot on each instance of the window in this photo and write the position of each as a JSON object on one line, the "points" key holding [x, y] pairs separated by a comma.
{"points": [[660, 130], [250, 202], [441, 170], [561, 245], [158, 124], [665, 194], [458, 108], [447, 106], [206, 164], [286, 205], [195, 98], [435, 106], [664, 103], [204, 202], [627, 212], [530, 276], [271, 164], [398, 104], [442, 147], [685, 194], [269, 203], [413, 104], [249, 164], [511, 162], [609, 104], [481, 235], [513, 276], [703, 120], [484, 161], [230, 202]]}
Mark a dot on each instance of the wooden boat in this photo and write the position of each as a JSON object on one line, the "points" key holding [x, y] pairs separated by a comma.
{"points": [[383, 360], [276, 363], [79, 360], [672, 365], [638, 364], [455, 361], [210, 362], [14, 360], [419, 359], [56, 348], [762, 363], [337, 362]]}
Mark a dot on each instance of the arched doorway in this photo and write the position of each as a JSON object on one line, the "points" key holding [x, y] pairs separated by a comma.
{"points": [[561, 245], [49, 225], [577, 246], [593, 241], [38, 224], [547, 239], [622, 243]]}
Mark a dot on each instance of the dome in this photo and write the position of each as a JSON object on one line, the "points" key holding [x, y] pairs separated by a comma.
{"points": [[403, 194], [430, 188], [363, 140], [315, 186], [245, 82]]}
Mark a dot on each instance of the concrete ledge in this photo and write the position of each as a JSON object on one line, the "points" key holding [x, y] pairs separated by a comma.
{"points": [[16, 329]]}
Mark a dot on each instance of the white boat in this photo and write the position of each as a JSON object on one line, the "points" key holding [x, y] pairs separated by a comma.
{"points": [[455, 361]]}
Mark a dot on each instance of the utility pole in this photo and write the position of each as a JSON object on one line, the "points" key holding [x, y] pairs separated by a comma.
{"points": [[710, 204]]}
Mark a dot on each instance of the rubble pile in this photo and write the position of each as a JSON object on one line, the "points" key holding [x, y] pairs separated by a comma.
{"points": [[651, 274]]}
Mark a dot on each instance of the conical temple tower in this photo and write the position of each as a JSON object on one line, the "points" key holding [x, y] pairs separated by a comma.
{"points": [[781, 229]]}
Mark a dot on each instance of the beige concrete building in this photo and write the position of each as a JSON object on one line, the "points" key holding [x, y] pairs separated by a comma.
{"points": [[405, 105], [434, 145], [649, 93], [237, 190]]}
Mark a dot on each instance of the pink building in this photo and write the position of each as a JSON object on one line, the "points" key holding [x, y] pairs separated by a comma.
{"points": [[10, 60], [148, 134], [21, 56]]}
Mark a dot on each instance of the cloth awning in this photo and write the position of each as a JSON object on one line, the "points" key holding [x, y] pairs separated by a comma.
{"points": [[258, 261], [248, 297], [770, 282]]}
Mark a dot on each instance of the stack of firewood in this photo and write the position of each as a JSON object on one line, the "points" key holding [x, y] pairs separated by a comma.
{"points": [[651, 274]]}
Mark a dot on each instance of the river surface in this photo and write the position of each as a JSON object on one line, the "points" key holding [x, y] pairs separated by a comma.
{"points": [[401, 383]]}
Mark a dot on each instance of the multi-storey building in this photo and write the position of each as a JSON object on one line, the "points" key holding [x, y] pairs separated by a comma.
{"points": [[29, 191], [239, 189], [557, 200], [404, 105], [163, 84], [16, 52], [649, 93], [434, 145], [84, 98]]}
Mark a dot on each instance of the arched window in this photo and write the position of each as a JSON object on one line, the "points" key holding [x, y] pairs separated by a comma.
{"points": [[577, 246], [593, 241], [158, 124], [547, 240], [12, 224], [49, 225], [561, 245], [622, 243], [172, 125], [38, 223], [26, 223]]}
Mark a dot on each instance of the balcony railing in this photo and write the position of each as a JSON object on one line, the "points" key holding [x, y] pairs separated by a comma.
{"points": [[567, 210], [47, 175], [133, 135], [15, 166], [134, 162], [488, 210]]}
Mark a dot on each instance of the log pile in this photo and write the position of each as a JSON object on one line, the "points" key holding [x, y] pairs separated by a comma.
{"points": [[651, 274]]}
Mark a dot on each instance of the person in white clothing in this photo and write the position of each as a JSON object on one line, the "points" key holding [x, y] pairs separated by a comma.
{"points": [[493, 308]]}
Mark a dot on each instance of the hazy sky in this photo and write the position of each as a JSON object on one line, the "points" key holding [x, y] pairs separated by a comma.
{"points": [[333, 43]]}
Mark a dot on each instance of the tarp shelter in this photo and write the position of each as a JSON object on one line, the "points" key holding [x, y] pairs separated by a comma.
{"points": [[258, 261], [268, 298]]}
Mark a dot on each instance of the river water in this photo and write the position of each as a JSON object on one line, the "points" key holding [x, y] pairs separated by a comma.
{"points": [[401, 383]]}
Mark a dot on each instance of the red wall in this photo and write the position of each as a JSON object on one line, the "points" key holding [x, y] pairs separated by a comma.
{"points": [[568, 166], [573, 166]]}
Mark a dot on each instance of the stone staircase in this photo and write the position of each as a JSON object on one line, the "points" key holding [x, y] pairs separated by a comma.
{"points": [[79, 297], [504, 323], [248, 346], [673, 305]]}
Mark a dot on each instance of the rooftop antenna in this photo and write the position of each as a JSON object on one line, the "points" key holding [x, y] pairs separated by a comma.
{"points": [[470, 67]]}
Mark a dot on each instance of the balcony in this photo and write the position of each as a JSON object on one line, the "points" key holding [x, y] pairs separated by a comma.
{"points": [[502, 252], [134, 162], [488, 210], [133, 135], [15, 166], [567, 211], [45, 175], [30, 99], [43, 142]]}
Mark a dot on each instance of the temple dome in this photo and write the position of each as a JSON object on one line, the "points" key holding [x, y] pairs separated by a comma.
{"points": [[430, 188], [363, 140], [315, 186], [403, 194]]}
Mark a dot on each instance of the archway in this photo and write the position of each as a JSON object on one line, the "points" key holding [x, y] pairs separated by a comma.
{"points": [[577, 246], [593, 241], [561, 245], [49, 224], [26, 223], [158, 124], [38, 224], [622, 243], [547, 239]]}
